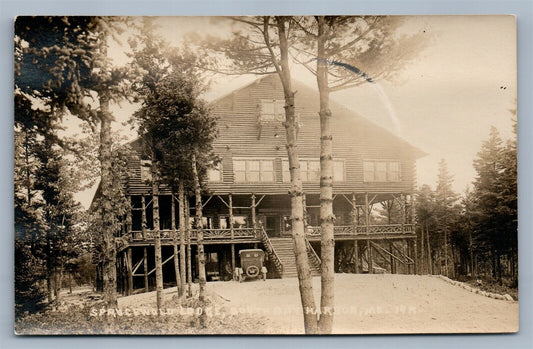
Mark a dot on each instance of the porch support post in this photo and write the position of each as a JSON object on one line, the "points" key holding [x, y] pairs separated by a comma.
{"points": [[367, 213], [369, 253], [304, 203], [392, 265], [145, 265], [129, 271], [356, 256], [232, 232], [415, 257], [408, 253], [368, 246], [402, 201], [413, 230], [354, 214], [143, 217], [253, 215]]}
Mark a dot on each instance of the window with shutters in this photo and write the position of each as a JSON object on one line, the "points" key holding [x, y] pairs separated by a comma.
{"points": [[272, 110]]}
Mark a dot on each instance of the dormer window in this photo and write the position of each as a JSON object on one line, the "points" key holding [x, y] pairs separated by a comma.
{"points": [[272, 110]]}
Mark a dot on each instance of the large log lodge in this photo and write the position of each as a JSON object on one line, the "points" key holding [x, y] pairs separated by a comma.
{"points": [[248, 205]]}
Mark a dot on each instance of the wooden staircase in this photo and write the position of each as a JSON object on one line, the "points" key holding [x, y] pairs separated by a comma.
{"points": [[284, 250]]}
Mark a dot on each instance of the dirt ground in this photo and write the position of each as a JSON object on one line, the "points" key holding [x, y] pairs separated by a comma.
{"points": [[364, 304], [372, 304]]}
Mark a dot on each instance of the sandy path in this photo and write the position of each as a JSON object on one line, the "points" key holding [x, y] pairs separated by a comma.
{"points": [[376, 304]]}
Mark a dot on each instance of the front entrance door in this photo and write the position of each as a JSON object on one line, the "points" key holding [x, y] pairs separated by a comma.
{"points": [[272, 226]]}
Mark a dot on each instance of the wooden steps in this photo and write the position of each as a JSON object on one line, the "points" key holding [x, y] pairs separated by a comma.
{"points": [[284, 250]]}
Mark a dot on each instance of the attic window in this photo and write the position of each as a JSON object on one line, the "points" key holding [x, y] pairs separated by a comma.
{"points": [[146, 170], [272, 110]]}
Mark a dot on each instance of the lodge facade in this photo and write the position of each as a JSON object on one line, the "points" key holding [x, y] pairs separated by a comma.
{"points": [[248, 205]]}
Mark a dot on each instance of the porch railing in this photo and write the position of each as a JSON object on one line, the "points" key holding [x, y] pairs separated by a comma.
{"points": [[270, 249], [312, 254], [209, 234], [362, 229]]}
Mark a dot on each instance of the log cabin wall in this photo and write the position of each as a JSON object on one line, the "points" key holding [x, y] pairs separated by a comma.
{"points": [[243, 135]]}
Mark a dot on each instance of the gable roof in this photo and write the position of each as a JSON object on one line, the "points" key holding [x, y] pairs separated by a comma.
{"points": [[307, 98]]}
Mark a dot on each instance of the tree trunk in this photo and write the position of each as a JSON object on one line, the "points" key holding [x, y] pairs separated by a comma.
{"points": [[471, 249], [157, 236], [327, 243], [305, 282], [109, 252], [499, 267], [445, 253], [49, 281], [181, 216], [175, 244], [199, 231], [430, 259], [189, 249], [423, 269]]}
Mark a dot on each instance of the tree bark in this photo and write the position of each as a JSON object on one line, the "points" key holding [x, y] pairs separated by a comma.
{"points": [[327, 218], [175, 244], [181, 216], [109, 252], [199, 231], [305, 281], [157, 237], [430, 259], [189, 249]]}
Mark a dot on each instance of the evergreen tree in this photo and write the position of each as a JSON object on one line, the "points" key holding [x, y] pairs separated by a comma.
{"points": [[496, 201], [446, 210], [63, 62]]}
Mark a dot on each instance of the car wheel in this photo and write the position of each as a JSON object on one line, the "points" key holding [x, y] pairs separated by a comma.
{"points": [[252, 271]]}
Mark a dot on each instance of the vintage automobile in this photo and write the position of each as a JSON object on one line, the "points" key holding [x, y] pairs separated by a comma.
{"points": [[252, 265]]}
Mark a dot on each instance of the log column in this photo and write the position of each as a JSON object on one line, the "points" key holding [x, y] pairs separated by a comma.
{"points": [[253, 215], [129, 271], [145, 251], [354, 227], [232, 231], [368, 246], [392, 265]]}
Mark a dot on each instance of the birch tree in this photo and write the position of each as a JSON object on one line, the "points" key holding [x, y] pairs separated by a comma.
{"points": [[262, 47], [343, 52]]}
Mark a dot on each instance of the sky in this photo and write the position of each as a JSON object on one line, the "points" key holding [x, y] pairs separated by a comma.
{"points": [[444, 102]]}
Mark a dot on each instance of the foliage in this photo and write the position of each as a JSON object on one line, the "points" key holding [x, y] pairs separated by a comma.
{"points": [[172, 111], [482, 225], [357, 49], [29, 271]]}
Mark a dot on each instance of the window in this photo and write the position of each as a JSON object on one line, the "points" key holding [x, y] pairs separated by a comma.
{"points": [[146, 170], [207, 222], [238, 222], [381, 171], [310, 170], [338, 170], [252, 170], [272, 110], [214, 174]]}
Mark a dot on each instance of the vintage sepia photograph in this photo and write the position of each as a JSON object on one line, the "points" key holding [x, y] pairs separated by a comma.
{"points": [[265, 175]]}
